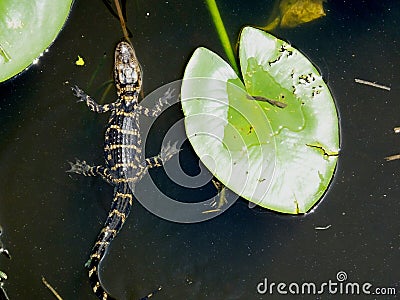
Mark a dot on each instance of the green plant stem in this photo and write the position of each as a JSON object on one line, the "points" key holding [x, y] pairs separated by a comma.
{"points": [[223, 36], [4, 54]]}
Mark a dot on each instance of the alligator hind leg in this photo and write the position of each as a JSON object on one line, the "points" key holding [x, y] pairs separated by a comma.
{"points": [[166, 153], [81, 167]]}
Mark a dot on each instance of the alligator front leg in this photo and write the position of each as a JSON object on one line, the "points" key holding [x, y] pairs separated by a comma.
{"points": [[156, 110], [93, 105]]}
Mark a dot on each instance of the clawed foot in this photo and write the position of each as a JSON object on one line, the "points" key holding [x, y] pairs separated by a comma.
{"points": [[79, 93], [79, 167], [167, 96], [168, 151]]}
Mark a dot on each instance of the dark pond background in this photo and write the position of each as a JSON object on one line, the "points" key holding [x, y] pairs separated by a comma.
{"points": [[51, 220]]}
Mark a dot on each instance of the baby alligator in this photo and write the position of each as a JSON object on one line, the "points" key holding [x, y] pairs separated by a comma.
{"points": [[122, 151]]}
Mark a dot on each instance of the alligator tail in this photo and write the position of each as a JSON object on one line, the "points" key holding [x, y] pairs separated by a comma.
{"points": [[120, 208]]}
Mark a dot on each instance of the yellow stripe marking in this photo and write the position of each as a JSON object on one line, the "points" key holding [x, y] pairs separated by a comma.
{"points": [[125, 131], [95, 255], [97, 285], [155, 162], [102, 243], [126, 165], [107, 229], [119, 214], [121, 195], [93, 270], [125, 114], [131, 179], [113, 147]]}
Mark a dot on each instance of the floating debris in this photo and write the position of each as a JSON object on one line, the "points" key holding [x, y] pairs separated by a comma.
{"points": [[392, 157], [373, 84], [292, 13], [211, 211], [3, 276], [323, 227], [396, 156], [3, 293], [270, 101], [51, 289], [2, 249], [80, 61], [325, 152], [221, 189]]}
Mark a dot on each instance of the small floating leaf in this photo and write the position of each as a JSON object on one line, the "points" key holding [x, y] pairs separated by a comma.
{"points": [[292, 13], [281, 158], [80, 61], [3, 276], [27, 28], [297, 12]]}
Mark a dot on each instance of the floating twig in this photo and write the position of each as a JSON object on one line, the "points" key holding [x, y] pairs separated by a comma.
{"points": [[373, 84], [211, 211], [270, 101], [122, 21], [3, 294], [392, 157], [51, 289], [396, 156], [323, 227]]}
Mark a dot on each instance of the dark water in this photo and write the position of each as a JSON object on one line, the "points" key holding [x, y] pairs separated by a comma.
{"points": [[50, 219]]}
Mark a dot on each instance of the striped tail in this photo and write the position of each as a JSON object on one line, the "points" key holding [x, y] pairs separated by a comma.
{"points": [[94, 279], [120, 208]]}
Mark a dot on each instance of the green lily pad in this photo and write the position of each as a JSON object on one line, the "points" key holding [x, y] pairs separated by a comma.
{"points": [[27, 28], [281, 157]]}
